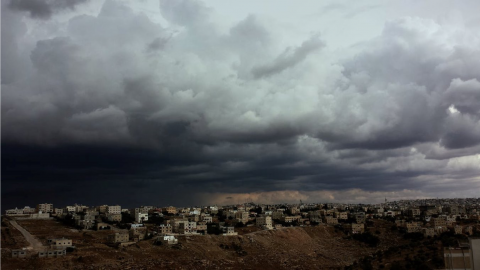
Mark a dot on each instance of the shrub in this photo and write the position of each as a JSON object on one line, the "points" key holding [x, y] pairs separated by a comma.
{"points": [[367, 238]]}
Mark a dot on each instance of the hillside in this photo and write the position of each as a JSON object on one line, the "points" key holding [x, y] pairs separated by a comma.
{"points": [[319, 247]]}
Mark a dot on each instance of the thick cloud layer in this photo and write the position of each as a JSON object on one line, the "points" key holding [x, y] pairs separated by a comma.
{"points": [[43, 9], [118, 102]]}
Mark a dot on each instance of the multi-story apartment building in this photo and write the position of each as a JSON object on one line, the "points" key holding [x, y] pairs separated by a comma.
{"points": [[341, 215], [45, 208], [164, 229], [331, 220], [290, 219], [264, 221], [439, 222], [187, 227], [114, 217], [241, 216], [208, 219], [114, 209]]}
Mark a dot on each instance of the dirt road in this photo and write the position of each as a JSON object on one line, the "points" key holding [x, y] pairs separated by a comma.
{"points": [[35, 245]]}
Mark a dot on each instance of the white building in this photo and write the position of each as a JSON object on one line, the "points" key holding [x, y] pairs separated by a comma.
{"points": [[16, 211], [228, 231], [169, 239], [195, 212], [141, 217]]}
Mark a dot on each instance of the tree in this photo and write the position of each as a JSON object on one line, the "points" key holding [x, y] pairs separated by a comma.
{"points": [[239, 225], [367, 238]]}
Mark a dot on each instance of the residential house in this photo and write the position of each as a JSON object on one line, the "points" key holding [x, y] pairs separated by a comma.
{"points": [[118, 237], [360, 217], [167, 239], [331, 220], [229, 231], [19, 253], [59, 243], [137, 233], [290, 219], [52, 253], [358, 228]]}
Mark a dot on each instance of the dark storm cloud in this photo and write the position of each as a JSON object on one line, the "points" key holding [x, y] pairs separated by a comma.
{"points": [[43, 9], [461, 131], [117, 102], [131, 175]]}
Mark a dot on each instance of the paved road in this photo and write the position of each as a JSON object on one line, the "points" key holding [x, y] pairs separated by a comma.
{"points": [[34, 243]]}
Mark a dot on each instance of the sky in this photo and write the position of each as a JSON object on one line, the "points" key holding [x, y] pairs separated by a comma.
{"points": [[221, 102]]}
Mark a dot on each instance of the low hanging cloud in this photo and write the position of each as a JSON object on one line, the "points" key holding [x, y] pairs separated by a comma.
{"points": [[205, 110], [353, 196]]}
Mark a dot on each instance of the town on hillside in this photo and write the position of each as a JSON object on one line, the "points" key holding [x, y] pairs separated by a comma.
{"points": [[457, 219]]}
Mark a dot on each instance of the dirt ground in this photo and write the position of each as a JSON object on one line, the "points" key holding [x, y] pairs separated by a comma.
{"points": [[320, 247]]}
